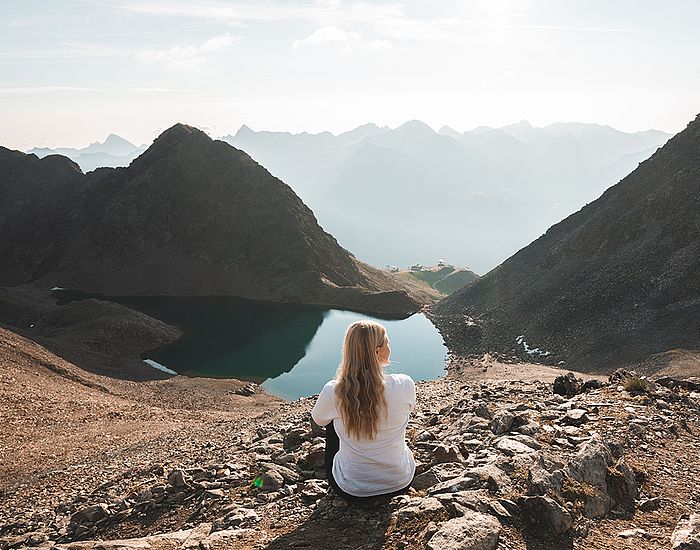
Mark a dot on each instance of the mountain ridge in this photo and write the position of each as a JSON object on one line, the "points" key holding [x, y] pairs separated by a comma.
{"points": [[615, 282], [193, 216]]}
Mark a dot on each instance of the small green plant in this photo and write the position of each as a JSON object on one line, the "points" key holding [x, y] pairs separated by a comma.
{"points": [[636, 385]]}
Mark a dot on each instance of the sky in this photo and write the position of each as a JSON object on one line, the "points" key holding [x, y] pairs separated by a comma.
{"points": [[71, 72]]}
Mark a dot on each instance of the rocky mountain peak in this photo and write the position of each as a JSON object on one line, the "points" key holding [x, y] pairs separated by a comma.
{"points": [[244, 131], [179, 132]]}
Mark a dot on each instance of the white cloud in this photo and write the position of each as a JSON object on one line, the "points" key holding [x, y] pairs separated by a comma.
{"points": [[186, 58], [351, 40], [218, 43], [326, 34]]}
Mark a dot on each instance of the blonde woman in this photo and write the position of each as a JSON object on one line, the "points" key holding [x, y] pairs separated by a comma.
{"points": [[365, 412]]}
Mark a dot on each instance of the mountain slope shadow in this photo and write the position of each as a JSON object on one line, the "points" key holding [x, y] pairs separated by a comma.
{"points": [[226, 336]]}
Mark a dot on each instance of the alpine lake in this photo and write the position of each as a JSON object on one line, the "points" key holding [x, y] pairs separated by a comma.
{"points": [[291, 350]]}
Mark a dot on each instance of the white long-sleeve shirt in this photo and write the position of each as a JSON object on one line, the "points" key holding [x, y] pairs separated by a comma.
{"points": [[381, 465]]}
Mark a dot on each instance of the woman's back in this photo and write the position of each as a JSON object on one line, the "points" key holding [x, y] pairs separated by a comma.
{"points": [[383, 464]]}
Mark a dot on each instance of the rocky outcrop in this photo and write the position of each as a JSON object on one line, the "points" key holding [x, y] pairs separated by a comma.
{"points": [[614, 283], [686, 535], [497, 463]]}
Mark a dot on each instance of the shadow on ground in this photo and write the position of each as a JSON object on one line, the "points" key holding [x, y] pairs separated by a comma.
{"points": [[334, 525]]}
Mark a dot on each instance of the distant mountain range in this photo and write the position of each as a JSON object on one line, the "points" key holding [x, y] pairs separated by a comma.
{"points": [[410, 194], [113, 152], [189, 217], [616, 282]]}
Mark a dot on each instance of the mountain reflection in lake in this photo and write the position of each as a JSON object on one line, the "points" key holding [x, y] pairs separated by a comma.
{"points": [[293, 350]]}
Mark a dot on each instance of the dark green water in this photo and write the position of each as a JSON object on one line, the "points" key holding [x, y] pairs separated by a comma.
{"points": [[292, 350]]}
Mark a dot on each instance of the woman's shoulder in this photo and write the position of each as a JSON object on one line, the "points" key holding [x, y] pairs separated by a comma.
{"points": [[329, 387], [398, 379]]}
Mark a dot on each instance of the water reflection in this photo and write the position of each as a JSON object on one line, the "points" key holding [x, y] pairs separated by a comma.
{"points": [[417, 349], [292, 349]]}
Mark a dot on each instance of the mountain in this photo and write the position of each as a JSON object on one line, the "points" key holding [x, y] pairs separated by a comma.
{"points": [[616, 282], [113, 152], [189, 217], [478, 196]]}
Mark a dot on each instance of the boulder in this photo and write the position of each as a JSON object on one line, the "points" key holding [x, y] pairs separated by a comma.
{"points": [[177, 479], [502, 422], [575, 417], [511, 447], [468, 480], [686, 535], [445, 453], [567, 384], [590, 467], [622, 487], [90, 514], [472, 531], [293, 439], [315, 457], [544, 512], [420, 509], [436, 474], [271, 481]]}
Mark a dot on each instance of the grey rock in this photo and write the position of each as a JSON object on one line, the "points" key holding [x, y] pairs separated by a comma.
{"points": [[482, 410], [271, 480], [686, 535], [197, 535], [567, 384], [510, 447], [315, 457], [651, 504], [313, 489], [426, 479], [531, 428], [424, 437], [473, 531], [590, 466], [90, 514], [622, 487], [36, 539], [288, 474], [575, 417], [527, 440], [592, 384], [445, 453], [464, 482], [293, 439], [544, 512], [177, 479], [502, 422], [492, 477], [420, 509]]}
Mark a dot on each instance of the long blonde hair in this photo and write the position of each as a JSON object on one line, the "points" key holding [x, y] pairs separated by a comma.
{"points": [[360, 387]]}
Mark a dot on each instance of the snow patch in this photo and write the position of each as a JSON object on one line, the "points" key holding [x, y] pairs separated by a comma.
{"points": [[152, 363], [531, 351]]}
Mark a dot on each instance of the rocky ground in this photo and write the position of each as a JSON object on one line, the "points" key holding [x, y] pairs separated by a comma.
{"points": [[86, 460]]}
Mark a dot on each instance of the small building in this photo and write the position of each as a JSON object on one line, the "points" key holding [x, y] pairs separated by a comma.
{"points": [[392, 269], [441, 262]]}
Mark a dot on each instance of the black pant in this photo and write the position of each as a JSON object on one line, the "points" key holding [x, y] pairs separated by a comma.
{"points": [[332, 447]]}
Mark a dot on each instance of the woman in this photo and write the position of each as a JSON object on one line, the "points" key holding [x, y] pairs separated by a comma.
{"points": [[365, 412]]}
